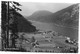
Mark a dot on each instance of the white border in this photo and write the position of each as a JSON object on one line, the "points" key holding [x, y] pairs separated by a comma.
{"points": [[58, 1], [43, 1]]}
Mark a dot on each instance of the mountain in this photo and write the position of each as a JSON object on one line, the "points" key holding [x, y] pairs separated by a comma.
{"points": [[23, 24], [66, 17], [41, 13], [38, 14]]}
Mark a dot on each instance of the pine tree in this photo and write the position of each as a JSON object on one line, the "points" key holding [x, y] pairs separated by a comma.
{"points": [[9, 22]]}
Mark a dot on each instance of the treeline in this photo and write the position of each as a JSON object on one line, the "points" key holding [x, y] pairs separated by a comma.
{"points": [[12, 22]]}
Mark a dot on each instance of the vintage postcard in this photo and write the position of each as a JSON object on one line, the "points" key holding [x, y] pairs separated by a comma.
{"points": [[39, 27]]}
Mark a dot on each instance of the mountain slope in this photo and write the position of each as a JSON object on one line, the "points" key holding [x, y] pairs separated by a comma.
{"points": [[24, 25], [66, 17], [38, 14]]}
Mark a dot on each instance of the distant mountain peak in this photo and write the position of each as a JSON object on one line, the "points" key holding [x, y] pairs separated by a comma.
{"points": [[40, 13]]}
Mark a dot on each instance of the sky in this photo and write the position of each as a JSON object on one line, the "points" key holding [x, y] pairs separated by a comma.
{"points": [[28, 8]]}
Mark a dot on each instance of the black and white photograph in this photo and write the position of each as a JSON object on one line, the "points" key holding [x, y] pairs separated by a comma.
{"points": [[39, 27]]}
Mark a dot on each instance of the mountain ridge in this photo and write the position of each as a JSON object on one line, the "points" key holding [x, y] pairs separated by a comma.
{"points": [[66, 17]]}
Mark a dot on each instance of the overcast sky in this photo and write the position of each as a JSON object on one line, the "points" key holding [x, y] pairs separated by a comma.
{"points": [[28, 7]]}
